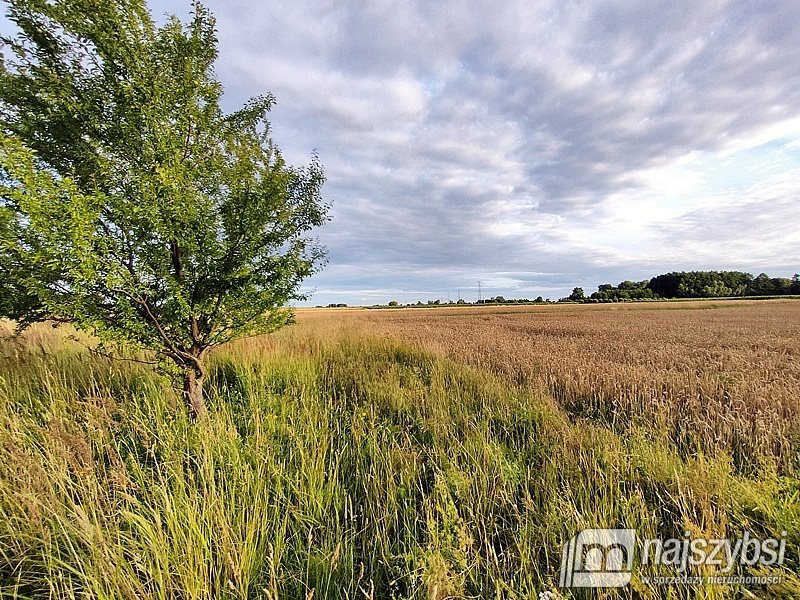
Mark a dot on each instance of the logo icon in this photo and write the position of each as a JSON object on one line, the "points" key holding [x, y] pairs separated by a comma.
{"points": [[597, 558]]}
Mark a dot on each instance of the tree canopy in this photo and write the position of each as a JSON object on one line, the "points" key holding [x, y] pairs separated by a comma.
{"points": [[130, 204], [698, 284]]}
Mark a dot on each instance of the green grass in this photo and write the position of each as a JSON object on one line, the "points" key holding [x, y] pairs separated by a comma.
{"points": [[346, 468]]}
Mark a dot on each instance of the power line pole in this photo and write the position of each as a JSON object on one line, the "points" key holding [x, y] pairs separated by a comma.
{"points": [[479, 292]]}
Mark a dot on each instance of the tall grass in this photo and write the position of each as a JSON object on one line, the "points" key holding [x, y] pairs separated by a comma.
{"points": [[334, 465]]}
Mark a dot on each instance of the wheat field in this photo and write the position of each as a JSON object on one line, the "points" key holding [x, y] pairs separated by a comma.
{"points": [[712, 376], [425, 454]]}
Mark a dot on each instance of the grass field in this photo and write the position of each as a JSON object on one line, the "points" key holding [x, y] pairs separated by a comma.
{"points": [[402, 453]]}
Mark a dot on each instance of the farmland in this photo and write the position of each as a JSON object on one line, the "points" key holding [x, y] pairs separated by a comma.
{"points": [[443, 453], [719, 376]]}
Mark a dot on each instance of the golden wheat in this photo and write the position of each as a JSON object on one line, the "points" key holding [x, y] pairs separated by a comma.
{"points": [[711, 376]]}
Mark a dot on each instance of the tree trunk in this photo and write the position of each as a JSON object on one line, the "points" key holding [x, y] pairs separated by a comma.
{"points": [[193, 394]]}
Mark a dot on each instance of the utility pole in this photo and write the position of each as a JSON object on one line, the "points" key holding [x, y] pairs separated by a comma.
{"points": [[479, 292]]}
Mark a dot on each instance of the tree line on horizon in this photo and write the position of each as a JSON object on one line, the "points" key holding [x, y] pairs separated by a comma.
{"points": [[673, 285], [692, 284]]}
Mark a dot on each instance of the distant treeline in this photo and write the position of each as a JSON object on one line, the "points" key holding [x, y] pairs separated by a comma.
{"points": [[677, 284], [692, 284], [437, 303]]}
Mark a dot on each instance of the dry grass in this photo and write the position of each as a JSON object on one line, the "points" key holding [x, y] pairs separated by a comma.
{"points": [[712, 376]]}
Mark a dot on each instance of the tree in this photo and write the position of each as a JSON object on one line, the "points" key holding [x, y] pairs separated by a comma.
{"points": [[130, 204], [737, 281], [393, 303], [781, 285], [666, 285], [577, 295], [716, 289], [762, 285]]}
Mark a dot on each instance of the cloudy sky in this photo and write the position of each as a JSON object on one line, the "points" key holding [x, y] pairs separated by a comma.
{"points": [[531, 146]]}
